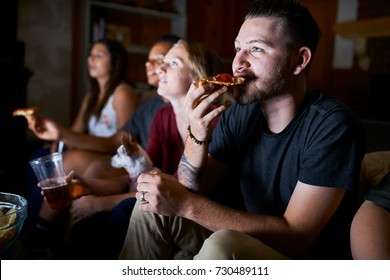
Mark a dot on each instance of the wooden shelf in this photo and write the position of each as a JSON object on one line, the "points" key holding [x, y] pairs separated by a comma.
{"points": [[135, 27], [368, 28], [136, 10]]}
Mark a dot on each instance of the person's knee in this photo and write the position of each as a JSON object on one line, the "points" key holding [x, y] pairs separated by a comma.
{"points": [[95, 169], [221, 244], [225, 236], [233, 245], [139, 217]]}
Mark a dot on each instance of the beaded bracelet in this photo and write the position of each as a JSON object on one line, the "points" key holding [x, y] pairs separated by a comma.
{"points": [[196, 140]]}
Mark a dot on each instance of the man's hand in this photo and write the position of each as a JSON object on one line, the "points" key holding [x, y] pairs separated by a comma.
{"points": [[162, 193], [200, 111]]}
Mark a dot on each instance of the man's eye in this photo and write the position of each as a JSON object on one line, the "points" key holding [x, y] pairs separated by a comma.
{"points": [[256, 49], [237, 49]]}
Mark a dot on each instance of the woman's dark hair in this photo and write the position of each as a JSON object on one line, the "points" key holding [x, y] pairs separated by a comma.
{"points": [[119, 67]]}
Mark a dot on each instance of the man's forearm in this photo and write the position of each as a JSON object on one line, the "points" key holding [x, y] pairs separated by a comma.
{"points": [[192, 165], [188, 174]]}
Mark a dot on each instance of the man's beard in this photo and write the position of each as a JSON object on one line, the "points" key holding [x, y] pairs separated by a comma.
{"points": [[271, 87]]}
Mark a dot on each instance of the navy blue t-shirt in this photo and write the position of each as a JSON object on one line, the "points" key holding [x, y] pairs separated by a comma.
{"points": [[323, 145], [141, 121]]}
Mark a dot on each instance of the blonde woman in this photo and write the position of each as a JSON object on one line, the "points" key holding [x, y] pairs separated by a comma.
{"points": [[184, 64]]}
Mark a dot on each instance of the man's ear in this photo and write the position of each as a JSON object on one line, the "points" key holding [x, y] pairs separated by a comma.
{"points": [[304, 58]]}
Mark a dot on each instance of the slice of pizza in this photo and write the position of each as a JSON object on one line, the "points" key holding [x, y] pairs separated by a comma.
{"points": [[222, 79], [32, 116], [30, 113]]}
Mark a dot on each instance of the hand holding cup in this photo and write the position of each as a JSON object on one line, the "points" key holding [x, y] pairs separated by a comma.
{"points": [[52, 179]]}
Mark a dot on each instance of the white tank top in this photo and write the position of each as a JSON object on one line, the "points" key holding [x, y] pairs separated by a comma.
{"points": [[107, 124]]}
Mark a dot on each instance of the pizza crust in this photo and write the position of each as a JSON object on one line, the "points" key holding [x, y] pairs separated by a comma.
{"points": [[32, 116], [30, 113]]}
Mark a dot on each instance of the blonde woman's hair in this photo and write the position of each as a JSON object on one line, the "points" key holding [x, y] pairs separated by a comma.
{"points": [[205, 62]]}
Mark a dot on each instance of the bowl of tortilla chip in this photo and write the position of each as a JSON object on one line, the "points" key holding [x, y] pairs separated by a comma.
{"points": [[13, 213]]}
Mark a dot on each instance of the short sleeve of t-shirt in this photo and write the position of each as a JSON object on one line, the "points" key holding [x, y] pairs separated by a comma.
{"points": [[323, 145], [380, 194]]}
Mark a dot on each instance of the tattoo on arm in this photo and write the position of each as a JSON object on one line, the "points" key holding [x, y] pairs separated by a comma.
{"points": [[188, 174]]}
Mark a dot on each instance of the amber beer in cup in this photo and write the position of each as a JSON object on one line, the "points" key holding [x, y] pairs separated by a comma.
{"points": [[52, 179], [57, 195]]}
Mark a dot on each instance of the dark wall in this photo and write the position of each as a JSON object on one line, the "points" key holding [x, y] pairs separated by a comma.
{"points": [[13, 81], [367, 91]]}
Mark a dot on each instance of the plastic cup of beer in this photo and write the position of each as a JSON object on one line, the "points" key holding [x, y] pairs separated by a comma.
{"points": [[52, 179]]}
